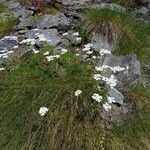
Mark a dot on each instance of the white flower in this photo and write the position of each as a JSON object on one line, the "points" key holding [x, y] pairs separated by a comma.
{"points": [[106, 106], [10, 52], [46, 53], [127, 67], [15, 47], [43, 111], [110, 99], [89, 52], [117, 69], [76, 34], [56, 56], [2, 68], [99, 68], [77, 54], [65, 34], [77, 93], [78, 38], [94, 57], [104, 52], [97, 77], [50, 58], [28, 41], [86, 49], [112, 82], [63, 51], [35, 51], [97, 97]]}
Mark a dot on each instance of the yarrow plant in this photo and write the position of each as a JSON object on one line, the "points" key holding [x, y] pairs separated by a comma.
{"points": [[43, 111]]}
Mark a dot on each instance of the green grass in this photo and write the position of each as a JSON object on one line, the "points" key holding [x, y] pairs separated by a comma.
{"points": [[6, 24], [134, 133], [129, 33], [71, 122], [2, 7]]}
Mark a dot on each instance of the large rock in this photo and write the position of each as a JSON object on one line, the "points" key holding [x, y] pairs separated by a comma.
{"points": [[132, 67], [8, 42], [116, 115], [49, 21], [73, 2], [49, 35], [119, 98], [99, 42]]}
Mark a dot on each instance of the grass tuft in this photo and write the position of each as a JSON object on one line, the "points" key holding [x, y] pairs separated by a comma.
{"points": [[134, 133], [124, 29], [2, 7], [71, 122], [6, 24]]}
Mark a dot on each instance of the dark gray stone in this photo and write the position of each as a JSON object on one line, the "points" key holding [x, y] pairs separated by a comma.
{"points": [[8, 42], [50, 35], [49, 21], [132, 65]]}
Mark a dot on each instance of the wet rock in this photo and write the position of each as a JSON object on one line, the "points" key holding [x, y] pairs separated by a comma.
{"points": [[49, 21]]}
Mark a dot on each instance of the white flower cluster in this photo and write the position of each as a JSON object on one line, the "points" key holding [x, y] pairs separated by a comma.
{"points": [[35, 51], [5, 53], [78, 92], [63, 51], [87, 47], [107, 106], [97, 97], [111, 81], [110, 99], [114, 69], [2, 68], [76, 34], [105, 52], [28, 41], [52, 57], [97, 77], [42, 38], [66, 33], [46, 53], [43, 111]]}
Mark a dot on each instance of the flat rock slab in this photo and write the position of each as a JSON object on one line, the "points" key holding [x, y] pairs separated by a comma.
{"points": [[49, 35], [8, 42], [73, 2], [49, 21]]}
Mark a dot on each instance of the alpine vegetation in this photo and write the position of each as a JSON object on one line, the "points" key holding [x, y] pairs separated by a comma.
{"points": [[123, 29], [57, 92]]}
